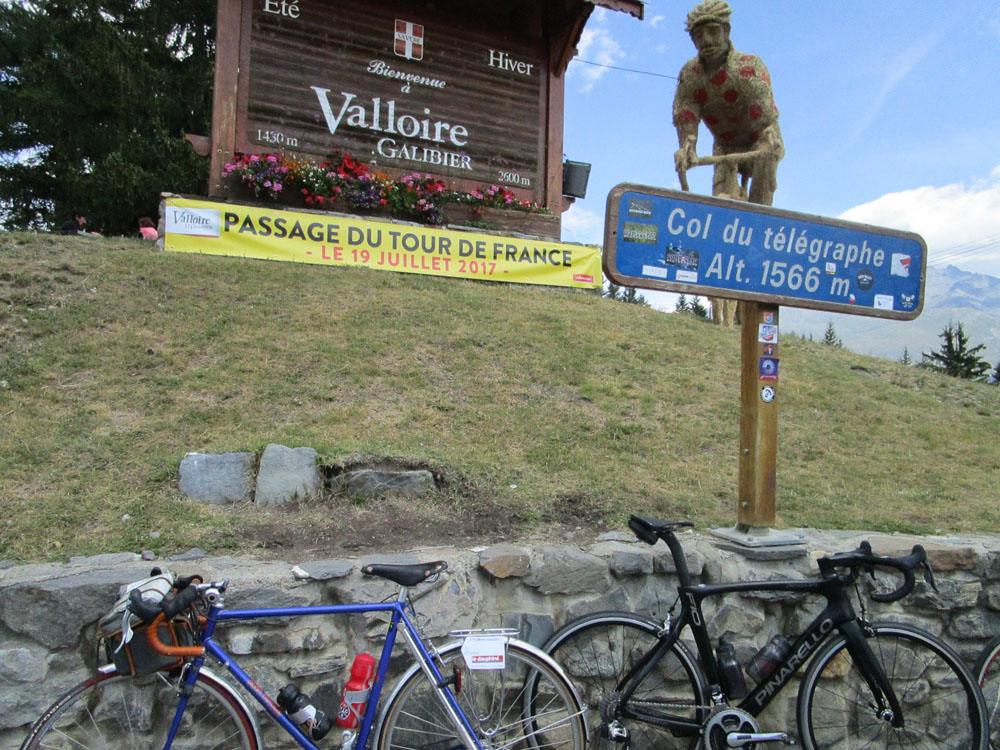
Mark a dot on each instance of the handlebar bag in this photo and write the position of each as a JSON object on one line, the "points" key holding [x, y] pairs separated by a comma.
{"points": [[135, 656]]}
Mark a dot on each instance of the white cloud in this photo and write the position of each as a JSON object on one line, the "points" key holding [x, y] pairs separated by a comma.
{"points": [[656, 21], [960, 223], [597, 45], [581, 225]]}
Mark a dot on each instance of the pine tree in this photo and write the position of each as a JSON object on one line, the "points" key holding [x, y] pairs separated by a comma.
{"points": [[682, 304], [697, 308], [95, 96], [631, 296], [905, 359], [956, 357], [830, 337], [613, 291]]}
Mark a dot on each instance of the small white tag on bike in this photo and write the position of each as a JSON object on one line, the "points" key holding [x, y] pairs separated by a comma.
{"points": [[485, 651]]}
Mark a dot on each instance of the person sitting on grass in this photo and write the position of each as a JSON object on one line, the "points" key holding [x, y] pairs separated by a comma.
{"points": [[147, 229], [78, 225]]}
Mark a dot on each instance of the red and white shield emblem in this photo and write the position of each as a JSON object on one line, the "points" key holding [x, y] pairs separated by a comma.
{"points": [[409, 40]]}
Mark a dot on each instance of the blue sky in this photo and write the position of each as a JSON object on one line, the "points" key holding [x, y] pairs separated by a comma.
{"points": [[890, 113]]}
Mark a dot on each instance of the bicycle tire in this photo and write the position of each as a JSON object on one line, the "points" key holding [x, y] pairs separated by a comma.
{"points": [[935, 689], [494, 701], [596, 651], [987, 673], [109, 709]]}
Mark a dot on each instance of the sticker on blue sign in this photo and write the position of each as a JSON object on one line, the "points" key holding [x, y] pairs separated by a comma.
{"points": [[680, 242]]}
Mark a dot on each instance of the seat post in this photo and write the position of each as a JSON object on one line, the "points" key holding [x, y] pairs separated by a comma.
{"points": [[680, 561]]}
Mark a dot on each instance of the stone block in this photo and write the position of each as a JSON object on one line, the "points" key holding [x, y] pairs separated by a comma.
{"points": [[942, 557], [505, 561], [325, 570], [217, 478], [373, 483], [287, 474], [54, 611], [535, 629], [566, 570]]}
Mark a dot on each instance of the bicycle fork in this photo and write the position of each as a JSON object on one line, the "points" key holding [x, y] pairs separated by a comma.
{"points": [[886, 704]]}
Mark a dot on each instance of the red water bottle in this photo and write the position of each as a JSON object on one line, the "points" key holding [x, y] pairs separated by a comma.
{"points": [[352, 702]]}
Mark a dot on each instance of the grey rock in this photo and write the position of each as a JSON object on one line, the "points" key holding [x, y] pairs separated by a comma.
{"points": [[4, 564], [319, 667], [993, 598], [616, 536], [625, 559], [22, 665], [976, 624], [615, 600], [287, 474], [942, 557], [535, 629], [195, 553], [148, 555], [733, 621], [217, 478], [54, 611], [565, 570], [663, 561], [371, 483], [765, 554], [505, 561], [325, 570], [952, 594], [104, 561]]}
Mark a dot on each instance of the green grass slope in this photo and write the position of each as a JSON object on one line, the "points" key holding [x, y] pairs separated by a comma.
{"points": [[535, 405]]}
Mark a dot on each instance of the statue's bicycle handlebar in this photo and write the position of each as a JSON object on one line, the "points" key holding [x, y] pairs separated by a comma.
{"points": [[702, 161]]}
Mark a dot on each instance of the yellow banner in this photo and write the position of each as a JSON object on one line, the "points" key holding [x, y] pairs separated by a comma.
{"points": [[198, 226]]}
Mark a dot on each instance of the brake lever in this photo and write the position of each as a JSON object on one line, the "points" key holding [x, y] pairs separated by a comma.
{"points": [[929, 575]]}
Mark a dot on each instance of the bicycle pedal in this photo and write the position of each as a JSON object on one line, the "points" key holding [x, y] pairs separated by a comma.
{"points": [[615, 732], [742, 739]]}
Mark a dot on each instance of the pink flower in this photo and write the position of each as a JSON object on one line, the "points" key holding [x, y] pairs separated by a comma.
{"points": [[254, 158]]}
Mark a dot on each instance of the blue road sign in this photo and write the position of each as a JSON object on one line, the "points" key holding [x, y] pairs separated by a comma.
{"points": [[679, 242]]}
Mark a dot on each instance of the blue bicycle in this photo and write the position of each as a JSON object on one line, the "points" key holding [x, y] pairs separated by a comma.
{"points": [[472, 693]]}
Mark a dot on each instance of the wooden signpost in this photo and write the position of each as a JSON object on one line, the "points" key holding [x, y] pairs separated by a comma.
{"points": [[675, 241]]}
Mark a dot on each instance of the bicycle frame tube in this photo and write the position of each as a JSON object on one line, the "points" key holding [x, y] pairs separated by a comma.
{"points": [[397, 610]]}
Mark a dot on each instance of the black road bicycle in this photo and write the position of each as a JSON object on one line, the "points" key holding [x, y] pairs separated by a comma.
{"points": [[867, 685]]}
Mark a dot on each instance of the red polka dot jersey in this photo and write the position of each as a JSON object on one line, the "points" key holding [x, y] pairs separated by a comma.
{"points": [[736, 102]]}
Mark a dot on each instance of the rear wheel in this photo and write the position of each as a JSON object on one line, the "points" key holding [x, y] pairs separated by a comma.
{"points": [[942, 707], [988, 674], [110, 711], [496, 703], [597, 651]]}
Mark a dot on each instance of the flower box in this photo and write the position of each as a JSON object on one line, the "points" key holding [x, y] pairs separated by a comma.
{"points": [[505, 220]]}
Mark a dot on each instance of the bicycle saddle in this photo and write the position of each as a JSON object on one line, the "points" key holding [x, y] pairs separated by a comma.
{"points": [[651, 529], [405, 575]]}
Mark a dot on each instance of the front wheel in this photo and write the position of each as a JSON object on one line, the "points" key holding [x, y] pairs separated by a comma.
{"points": [[495, 702], [941, 705], [598, 651], [988, 674], [109, 711]]}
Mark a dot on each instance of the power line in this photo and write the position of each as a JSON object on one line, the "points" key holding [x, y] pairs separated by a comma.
{"points": [[627, 70]]}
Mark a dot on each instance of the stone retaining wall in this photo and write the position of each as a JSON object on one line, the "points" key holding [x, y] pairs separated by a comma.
{"points": [[48, 612]]}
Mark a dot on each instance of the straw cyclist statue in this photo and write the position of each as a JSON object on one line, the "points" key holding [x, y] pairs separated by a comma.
{"points": [[730, 92]]}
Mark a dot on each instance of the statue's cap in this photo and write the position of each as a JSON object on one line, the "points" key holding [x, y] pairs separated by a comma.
{"points": [[709, 11]]}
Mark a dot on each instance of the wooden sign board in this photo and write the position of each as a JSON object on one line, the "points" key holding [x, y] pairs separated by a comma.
{"points": [[402, 86], [693, 244]]}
